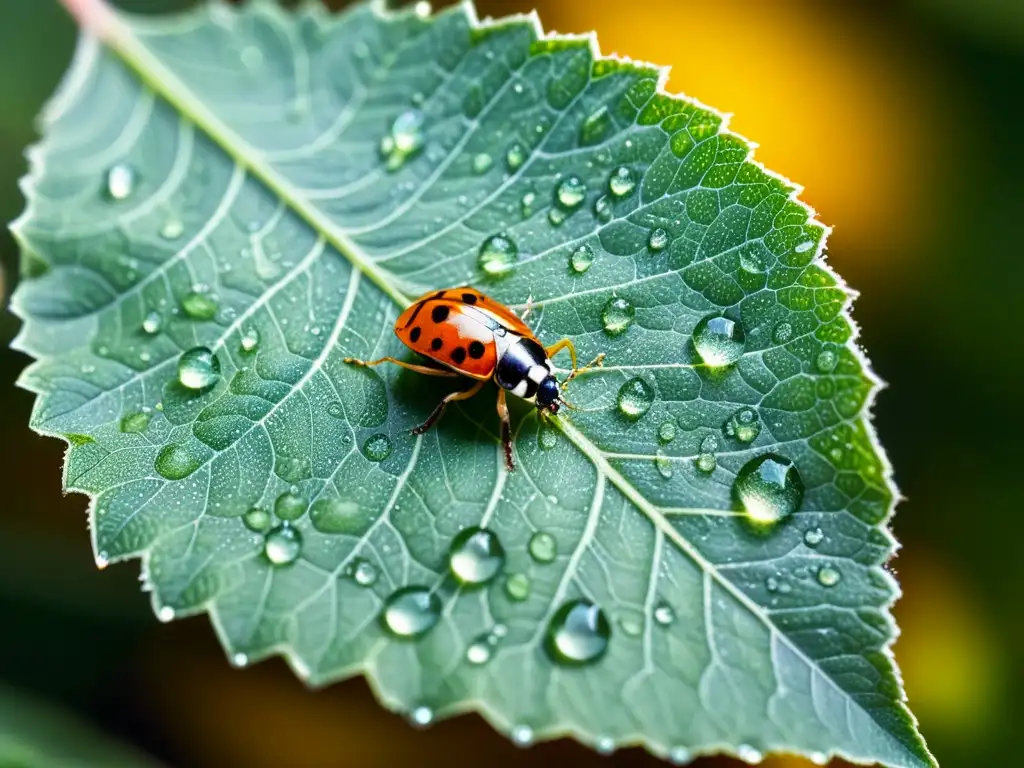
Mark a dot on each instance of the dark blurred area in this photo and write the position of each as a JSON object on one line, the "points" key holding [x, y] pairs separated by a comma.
{"points": [[903, 120]]}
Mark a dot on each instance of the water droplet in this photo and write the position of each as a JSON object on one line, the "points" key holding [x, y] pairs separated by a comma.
{"points": [[282, 545], [527, 204], [556, 216], [405, 140], [547, 437], [581, 259], [578, 633], [517, 587], [818, 758], [175, 462], [364, 573], [769, 488], [663, 464], [604, 745], [631, 622], [603, 209], [680, 756], [783, 333], [334, 515], [135, 422], [771, 584], [120, 181], [748, 754], [621, 182], [257, 520], [290, 505], [522, 735], [172, 229], [152, 322], [706, 463], [667, 432], [410, 612], [240, 660], [635, 398], [752, 261], [497, 255], [744, 425], [664, 614], [658, 240], [335, 410], [421, 717], [476, 556], [617, 315], [804, 247], [198, 369], [482, 163], [102, 560], [515, 156], [719, 341], [480, 650], [813, 537], [543, 547], [571, 192], [377, 447], [828, 576], [826, 361], [165, 614], [422, 9], [250, 340]]}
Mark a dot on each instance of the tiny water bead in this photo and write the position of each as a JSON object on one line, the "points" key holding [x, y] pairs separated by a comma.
{"points": [[290, 505], [120, 181], [680, 756], [664, 614], [635, 398], [152, 323], [377, 447], [543, 547], [813, 537], [476, 556], [175, 462], [718, 340], [556, 217], [250, 340], [365, 573], [136, 422], [515, 156], [744, 425], [479, 651], [581, 259], [199, 305], [770, 488], [165, 614], [578, 633], [571, 192], [828, 576], [411, 611], [526, 204], [283, 545], [621, 182], [406, 138], [257, 519], [497, 255], [517, 587], [749, 754], [522, 735], [198, 369], [826, 361], [603, 209], [172, 229], [604, 745], [667, 432], [482, 163], [706, 463], [804, 247], [658, 240], [421, 717], [617, 315], [663, 464]]}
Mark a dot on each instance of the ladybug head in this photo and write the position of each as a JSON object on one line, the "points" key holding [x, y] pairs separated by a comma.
{"points": [[548, 395]]}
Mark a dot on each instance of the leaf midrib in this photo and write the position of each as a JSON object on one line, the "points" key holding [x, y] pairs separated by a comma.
{"points": [[163, 81]]}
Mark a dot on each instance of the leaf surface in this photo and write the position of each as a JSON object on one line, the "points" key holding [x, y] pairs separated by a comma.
{"points": [[274, 188]]}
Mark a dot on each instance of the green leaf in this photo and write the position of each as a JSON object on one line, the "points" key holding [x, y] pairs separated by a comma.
{"points": [[274, 188]]}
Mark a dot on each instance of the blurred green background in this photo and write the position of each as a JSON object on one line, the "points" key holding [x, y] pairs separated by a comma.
{"points": [[902, 119]]}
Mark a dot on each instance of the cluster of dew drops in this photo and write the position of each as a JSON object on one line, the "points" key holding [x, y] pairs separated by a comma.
{"points": [[768, 487]]}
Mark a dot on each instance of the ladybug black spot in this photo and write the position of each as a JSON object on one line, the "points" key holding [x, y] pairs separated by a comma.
{"points": [[476, 350], [435, 344], [459, 355], [414, 334], [439, 294], [469, 298], [439, 314]]}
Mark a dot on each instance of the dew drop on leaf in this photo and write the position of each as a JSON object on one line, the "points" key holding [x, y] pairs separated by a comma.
{"points": [[411, 611], [603, 209], [479, 651], [635, 398], [770, 488], [250, 340], [290, 505], [283, 545], [667, 432], [570, 192], [421, 717], [813, 537], [199, 305], [556, 216], [828, 576], [364, 573], [663, 464], [517, 586], [705, 463], [663, 614], [515, 156], [826, 361], [476, 556], [172, 229], [804, 247], [257, 519], [543, 547], [621, 182], [680, 756], [581, 259], [749, 754], [120, 181], [744, 425], [406, 139], [658, 240], [334, 515], [497, 255], [152, 322], [522, 735], [135, 422], [377, 447], [719, 341], [617, 315], [526, 204], [482, 163], [175, 462], [604, 745], [577, 634]]}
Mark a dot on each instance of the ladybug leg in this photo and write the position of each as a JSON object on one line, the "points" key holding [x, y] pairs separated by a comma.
{"points": [[558, 346], [451, 398], [595, 363], [410, 366], [506, 430]]}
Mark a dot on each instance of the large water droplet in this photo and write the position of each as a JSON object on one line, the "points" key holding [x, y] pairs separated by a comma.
{"points": [[828, 576], [515, 156], [769, 488], [517, 586], [813, 537], [497, 255], [257, 519], [120, 181], [578, 633], [135, 422], [581, 259], [482, 163], [826, 360], [744, 425], [635, 398], [543, 547], [152, 322], [621, 182], [377, 447], [571, 192], [198, 368], [658, 240], [290, 505], [667, 432], [617, 315], [719, 341], [175, 462], [706, 463], [476, 556], [199, 305], [250, 340], [283, 545], [411, 611]]}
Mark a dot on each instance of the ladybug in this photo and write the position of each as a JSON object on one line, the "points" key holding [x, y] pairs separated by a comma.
{"points": [[471, 334]]}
